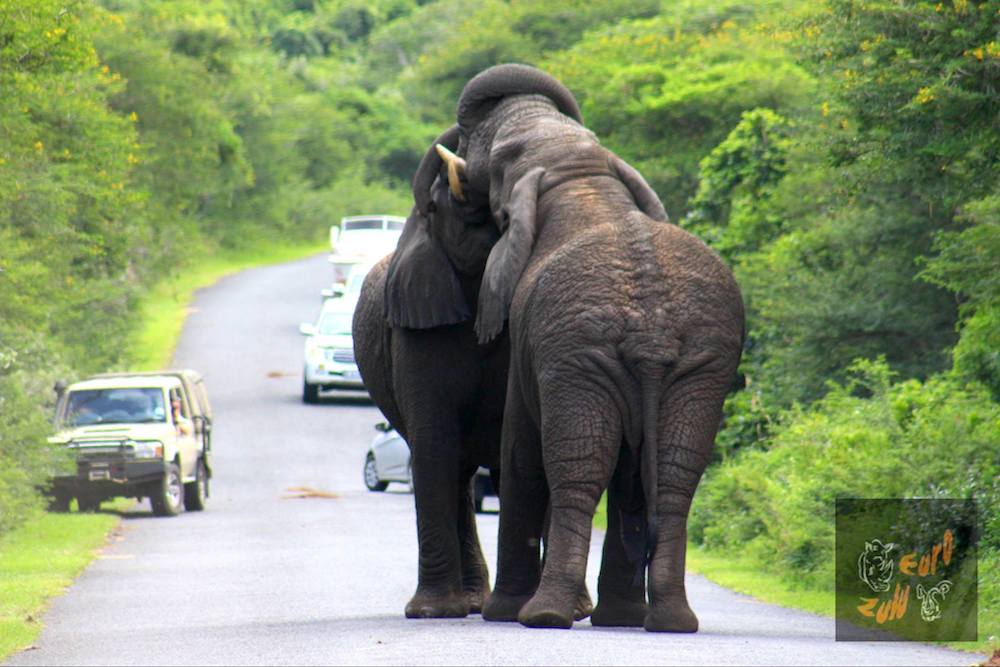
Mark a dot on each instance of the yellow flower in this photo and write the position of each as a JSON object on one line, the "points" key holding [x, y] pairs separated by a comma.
{"points": [[978, 53], [825, 109], [132, 117], [924, 95], [39, 147]]}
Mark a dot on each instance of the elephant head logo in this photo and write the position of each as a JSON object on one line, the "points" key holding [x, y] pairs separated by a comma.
{"points": [[875, 565], [931, 599]]}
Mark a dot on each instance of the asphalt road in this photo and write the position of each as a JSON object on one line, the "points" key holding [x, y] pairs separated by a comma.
{"points": [[264, 576]]}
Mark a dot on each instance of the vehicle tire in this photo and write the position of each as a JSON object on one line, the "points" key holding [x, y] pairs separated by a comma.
{"points": [[310, 393], [88, 504], [196, 492], [167, 498], [371, 475]]}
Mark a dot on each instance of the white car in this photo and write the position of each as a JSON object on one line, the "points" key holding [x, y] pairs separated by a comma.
{"points": [[388, 460], [329, 351], [351, 289]]}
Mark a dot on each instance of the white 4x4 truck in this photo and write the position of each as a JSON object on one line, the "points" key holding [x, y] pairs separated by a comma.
{"points": [[362, 239], [130, 441]]}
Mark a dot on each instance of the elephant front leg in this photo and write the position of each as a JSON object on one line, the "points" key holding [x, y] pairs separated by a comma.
{"points": [[440, 592], [621, 586], [475, 574], [523, 498]]}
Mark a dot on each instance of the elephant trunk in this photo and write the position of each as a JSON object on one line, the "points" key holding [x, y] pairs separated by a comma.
{"points": [[430, 167], [489, 86]]}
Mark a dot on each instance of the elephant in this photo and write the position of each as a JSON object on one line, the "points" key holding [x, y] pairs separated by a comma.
{"points": [[443, 392], [625, 333]]}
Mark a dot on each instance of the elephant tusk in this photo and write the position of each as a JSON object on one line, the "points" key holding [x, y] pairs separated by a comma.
{"points": [[456, 169]]}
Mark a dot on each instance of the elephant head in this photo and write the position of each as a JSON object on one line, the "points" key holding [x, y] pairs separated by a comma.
{"points": [[508, 116], [444, 245]]}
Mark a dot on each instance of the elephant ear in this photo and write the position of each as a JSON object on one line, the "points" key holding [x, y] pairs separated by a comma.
{"points": [[644, 197], [509, 256], [421, 286]]}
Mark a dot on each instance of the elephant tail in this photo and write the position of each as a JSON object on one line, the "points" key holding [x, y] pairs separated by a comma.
{"points": [[651, 387]]}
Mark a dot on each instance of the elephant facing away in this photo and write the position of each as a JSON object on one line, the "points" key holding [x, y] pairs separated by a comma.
{"points": [[625, 334]]}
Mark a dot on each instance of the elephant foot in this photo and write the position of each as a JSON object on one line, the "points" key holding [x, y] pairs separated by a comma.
{"points": [[427, 604], [540, 612], [614, 612], [476, 599], [501, 607], [676, 617], [584, 606]]}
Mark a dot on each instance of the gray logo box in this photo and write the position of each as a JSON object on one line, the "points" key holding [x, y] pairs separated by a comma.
{"points": [[906, 569]]}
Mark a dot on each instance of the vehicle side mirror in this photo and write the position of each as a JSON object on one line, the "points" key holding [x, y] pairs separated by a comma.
{"points": [[383, 427], [307, 329]]}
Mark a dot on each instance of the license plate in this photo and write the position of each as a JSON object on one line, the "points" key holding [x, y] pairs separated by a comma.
{"points": [[99, 474]]}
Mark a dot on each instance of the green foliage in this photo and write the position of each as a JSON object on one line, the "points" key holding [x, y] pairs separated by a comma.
{"points": [[869, 438], [736, 182], [665, 91]]}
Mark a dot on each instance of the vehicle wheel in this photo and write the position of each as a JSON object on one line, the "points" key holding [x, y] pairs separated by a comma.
{"points": [[310, 393], [88, 504], [167, 499], [196, 492], [371, 475]]}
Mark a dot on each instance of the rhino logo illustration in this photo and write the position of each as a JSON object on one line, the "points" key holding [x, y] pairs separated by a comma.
{"points": [[931, 598], [875, 565]]}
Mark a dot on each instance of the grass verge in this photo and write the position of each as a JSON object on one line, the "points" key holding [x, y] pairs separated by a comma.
{"points": [[40, 559], [744, 575]]}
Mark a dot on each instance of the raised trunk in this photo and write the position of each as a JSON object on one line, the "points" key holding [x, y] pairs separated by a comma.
{"points": [[495, 83]]}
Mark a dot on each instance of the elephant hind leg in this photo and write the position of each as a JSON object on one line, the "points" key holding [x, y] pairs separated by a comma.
{"points": [[621, 586], [689, 419], [581, 435]]}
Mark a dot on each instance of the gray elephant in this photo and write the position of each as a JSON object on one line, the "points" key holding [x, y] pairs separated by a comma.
{"points": [[625, 334], [443, 391]]}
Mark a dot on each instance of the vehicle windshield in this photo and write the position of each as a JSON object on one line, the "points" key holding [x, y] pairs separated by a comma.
{"points": [[137, 405], [335, 324], [370, 223]]}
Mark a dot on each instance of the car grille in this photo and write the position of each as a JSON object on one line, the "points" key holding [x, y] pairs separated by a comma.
{"points": [[343, 356]]}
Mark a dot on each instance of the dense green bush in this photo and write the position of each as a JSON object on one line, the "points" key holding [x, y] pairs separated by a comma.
{"points": [[868, 438]]}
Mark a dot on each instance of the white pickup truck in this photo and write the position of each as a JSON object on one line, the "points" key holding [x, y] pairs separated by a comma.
{"points": [[362, 239]]}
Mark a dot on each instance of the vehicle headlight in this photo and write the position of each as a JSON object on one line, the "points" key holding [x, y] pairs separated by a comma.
{"points": [[148, 450], [315, 354]]}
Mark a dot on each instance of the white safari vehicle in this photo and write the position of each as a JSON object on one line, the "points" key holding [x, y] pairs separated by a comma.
{"points": [[135, 435], [329, 351], [362, 239]]}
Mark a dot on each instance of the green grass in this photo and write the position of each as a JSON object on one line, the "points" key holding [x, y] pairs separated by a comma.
{"points": [[41, 558], [163, 309], [744, 575], [38, 561]]}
